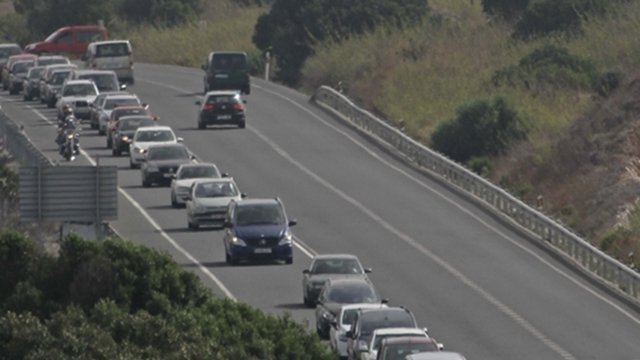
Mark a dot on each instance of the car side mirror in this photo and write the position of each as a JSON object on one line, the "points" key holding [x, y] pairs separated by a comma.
{"points": [[198, 102], [179, 139], [243, 195], [173, 176], [440, 346], [349, 334], [203, 67], [334, 323], [244, 101], [368, 270], [293, 222], [305, 271], [224, 175], [187, 197], [384, 301]]}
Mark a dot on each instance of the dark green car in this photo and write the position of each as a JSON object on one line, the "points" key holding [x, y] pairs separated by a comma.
{"points": [[227, 70]]}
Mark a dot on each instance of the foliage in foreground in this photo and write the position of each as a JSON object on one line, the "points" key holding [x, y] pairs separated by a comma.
{"points": [[114, 299]]}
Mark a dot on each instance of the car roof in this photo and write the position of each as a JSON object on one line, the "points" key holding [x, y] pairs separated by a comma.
{"points": [[399, 330], [136, 116], [60, 70], [123, 96], [258, 201], [436, 355], [363, 306], [180, 145], [79, 81], [202, 164], [155, 128], [407, 339], [52, 57], [23, 61], [222, 92], [106, 42], [341, 281], [91, 71], [334, 256], [9, 45], [380, 311], [216, 180]]}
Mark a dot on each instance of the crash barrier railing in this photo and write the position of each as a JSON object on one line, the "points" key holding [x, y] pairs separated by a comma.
{"points": [[17, 143], [498, 200]]}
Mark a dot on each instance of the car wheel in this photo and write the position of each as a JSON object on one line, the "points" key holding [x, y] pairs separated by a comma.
{"points": [[50, 104], [247, 90], [201, 125], [174, 203], [25, 97], [131, 164], [145, 183], [242, 125], [289, 261], [227, 258], [117, 151], [109, 142], [307, 303], [100, 131]]}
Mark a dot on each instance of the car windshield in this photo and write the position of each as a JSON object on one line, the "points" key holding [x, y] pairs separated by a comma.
{"points": [[22, 66], [378, 340], [348, 316], [79, 90], [385, 320], [401, 351], [156, 135], [133, 124], [118, 113], [168, 153], [215, 189], [192, 172], [221, 99], [35, 73], [112, 103], [336, 266], [57, 78], [51, 61], [104, 82], [259, 215], [351, 294], [5, 52]]}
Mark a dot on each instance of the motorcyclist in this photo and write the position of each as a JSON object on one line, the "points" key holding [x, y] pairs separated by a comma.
{"points": [[66, 112], [69, 126]]}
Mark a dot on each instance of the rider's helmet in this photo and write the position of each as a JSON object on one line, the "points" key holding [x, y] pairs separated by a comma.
{"points": [[67, 110]]}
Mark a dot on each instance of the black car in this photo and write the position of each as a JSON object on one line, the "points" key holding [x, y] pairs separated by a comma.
{"points": [[31, 85], [227, 70], [338, 292], [162, 161], [368, 320], [221, 108], [258, 229], [124, 129]]}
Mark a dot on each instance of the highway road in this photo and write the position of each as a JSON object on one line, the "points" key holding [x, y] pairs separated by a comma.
{"points": [[481, 288]]}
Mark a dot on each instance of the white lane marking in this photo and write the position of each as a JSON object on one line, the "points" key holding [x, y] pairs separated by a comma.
{"points": [[154, 223], [404, 237], [460, 207]]}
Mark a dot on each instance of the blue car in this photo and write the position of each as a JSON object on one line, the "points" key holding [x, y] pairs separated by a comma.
{"points": [[258, 229]]}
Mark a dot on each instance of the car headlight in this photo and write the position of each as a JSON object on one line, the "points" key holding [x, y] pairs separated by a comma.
{"points": [[70, 136], [141, 151], [286, 238], [237, 241]]}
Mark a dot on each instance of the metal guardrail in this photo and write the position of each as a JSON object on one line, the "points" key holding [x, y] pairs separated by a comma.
{"points": [[587, 256], [17, 143]]}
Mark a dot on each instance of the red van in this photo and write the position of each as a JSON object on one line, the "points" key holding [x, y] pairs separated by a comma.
{"points": [[69, 40]]}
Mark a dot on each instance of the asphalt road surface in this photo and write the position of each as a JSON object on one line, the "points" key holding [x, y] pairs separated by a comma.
{"points": [[480, 288]]}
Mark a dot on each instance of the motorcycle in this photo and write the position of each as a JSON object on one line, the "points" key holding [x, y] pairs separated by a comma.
{"points": [[71, 146]]}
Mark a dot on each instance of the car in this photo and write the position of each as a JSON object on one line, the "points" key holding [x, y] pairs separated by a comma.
{"points": [[46, 76], [106, 105], [221, 108], [369, 351], [126, 110], [7, 66], [327, 266], [186, 175], [441, 355], [53, 86], [31, 84], [342, 323], [368, 320], [122, 134], [147, 136], [227, 70], [398, 348], [208, 201], [69, 40], [106, 80], [162, 161], [338, 292], [96, 106], [51, 60], [116, 55], [17, 74], [78, 94], [258, 228]]}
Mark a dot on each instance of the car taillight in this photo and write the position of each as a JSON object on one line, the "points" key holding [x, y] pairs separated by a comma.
{"points": [[94, 64], [209, 107], [238, 106]]}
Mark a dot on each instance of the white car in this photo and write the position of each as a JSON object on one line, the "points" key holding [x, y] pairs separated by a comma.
{"points": [[186, 175], [342, 324], [147, 136], [110, 102], [78, 94], [385, 333], [208, 201]]}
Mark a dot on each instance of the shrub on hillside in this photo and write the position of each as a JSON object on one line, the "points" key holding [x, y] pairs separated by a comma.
{"points": [[549, 66], [507, 10], [481, 128], [114, 299], [545, 17], [292, 27]]}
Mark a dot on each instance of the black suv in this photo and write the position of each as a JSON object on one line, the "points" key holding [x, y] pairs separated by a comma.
{"points": [[368, 320], [258, 229], [221, 107], [227, 70]]}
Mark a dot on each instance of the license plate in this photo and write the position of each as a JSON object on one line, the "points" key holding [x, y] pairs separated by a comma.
{"points": [[222, 76], [223, 117], [262, 250]]}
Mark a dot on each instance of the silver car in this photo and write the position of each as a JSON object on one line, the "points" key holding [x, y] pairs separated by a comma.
{"points": [[208, 201], [325, 267], [186, 175], [438, 355]]}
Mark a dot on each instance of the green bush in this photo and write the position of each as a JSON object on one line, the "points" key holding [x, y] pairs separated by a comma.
{"points": [[546, 17], [548, 66], [482, 128], [504, 9]]}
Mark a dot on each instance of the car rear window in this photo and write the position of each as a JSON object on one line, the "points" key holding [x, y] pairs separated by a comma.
{"points": [[385, 319], [104, 82], [193, 172], [351, 294], [155, 135], [229, 61], [110, 50], [221, 99], [22, 66], [8, 51], [401, 351], [133, 124], [58, 77], [113, 103], [167, 153]]}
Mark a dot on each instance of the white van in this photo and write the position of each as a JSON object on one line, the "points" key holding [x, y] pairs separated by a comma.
{"points": [[113, 55]]}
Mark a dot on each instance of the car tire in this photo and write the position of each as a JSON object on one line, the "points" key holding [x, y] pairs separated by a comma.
{"points": [[247, 90], [174, 203], [117, 151], [131, 164], [50, 104], [242, 125], [100, 131], [289, 261], [192, 226], [227, 258], [109, 142], [307, 303], [146, 183], [201, 125], [26, 97]]}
